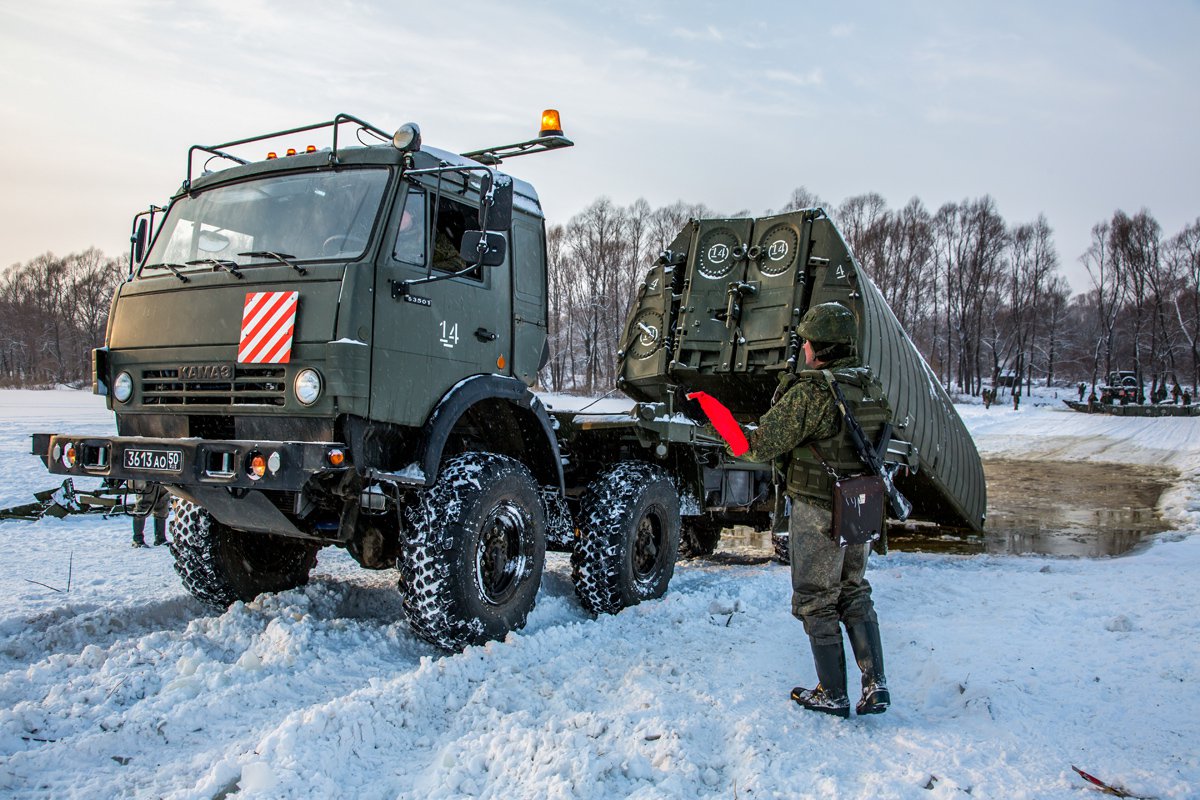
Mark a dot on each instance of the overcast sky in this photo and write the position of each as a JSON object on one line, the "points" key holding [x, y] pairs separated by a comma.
{"points": [[1071, 109]]}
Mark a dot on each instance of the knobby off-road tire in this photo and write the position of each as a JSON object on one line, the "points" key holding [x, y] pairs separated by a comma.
{"points": [[476, 544], [220, 565], [698, 537], [779, 544], [628, 538]]}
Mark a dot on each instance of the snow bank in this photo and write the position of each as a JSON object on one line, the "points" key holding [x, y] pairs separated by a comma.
{"points": [[1004, 670]]}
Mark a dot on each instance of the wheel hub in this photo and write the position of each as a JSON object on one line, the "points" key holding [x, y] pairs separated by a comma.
{"points": [[648, 547], [500, 555]]}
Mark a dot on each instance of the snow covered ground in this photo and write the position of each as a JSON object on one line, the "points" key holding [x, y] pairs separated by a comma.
{"points": [[1004, 670]]}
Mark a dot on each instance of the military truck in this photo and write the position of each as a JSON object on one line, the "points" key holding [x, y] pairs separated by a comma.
{"points": [[336, 347]]}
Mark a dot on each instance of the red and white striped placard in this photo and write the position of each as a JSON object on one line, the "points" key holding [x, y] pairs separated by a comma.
{"points": [[268, 321]]}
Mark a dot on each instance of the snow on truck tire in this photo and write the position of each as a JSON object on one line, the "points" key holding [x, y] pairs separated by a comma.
{"points": [[628, 538], [472, 564], [220, 565]]}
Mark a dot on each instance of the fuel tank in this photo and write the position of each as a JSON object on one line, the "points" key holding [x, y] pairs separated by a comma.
{"points": [[717, 312]]}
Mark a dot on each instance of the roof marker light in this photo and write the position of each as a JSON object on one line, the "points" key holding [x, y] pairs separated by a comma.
{"points": [[551, 124], [312, 148], [271, 155], [291, 151]]}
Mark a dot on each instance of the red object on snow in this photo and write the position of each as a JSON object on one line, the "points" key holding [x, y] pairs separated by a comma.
{"points": [[723, 421]]}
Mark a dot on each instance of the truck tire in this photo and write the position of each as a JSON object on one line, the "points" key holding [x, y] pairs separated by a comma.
{"points": [[698, 537], [472, 563], [779, 543], [220, 565], [628, 538]]}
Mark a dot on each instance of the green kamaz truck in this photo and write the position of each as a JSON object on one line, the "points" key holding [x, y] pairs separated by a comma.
{"points": [[337, 346]]}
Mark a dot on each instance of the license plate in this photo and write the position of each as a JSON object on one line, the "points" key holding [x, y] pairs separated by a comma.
{"points": [[154, 460]]}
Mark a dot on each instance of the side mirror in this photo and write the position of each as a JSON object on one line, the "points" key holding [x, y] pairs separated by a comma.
{"points": [[496, 214], [484, 249], [139, 241]]}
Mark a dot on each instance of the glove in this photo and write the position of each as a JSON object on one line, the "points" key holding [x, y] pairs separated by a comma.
{"points": [[684, 404]]}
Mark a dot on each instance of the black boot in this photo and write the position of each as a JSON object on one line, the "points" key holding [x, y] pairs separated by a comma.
{"points": [[830, 695], [160, 531], [139, 527], [868, 652]]}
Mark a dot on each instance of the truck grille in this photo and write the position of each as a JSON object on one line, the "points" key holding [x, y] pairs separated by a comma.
{"points": [[251, 386]]}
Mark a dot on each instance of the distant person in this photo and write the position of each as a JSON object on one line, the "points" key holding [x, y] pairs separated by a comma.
{"points": [[1175, 393], [152, 500], [1016, 401], [1082, 386], [987, 398], [1187, 397], [1092, 400]]}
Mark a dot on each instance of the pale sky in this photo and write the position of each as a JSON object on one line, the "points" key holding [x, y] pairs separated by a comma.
{"points": [[1071, 109]]}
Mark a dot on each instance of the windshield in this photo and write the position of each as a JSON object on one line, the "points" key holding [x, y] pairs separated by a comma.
{"points": [[312, 216]]}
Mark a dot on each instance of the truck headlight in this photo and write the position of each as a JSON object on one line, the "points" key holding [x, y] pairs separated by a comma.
{"points": [[123, 387], [308, 386]]}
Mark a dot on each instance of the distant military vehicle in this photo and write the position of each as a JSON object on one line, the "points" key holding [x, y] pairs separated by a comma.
{"points": [[1123, 387], [336, 347]]}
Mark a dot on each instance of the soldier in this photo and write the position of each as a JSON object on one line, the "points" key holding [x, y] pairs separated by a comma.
{"points": [[152, 499], [828, 583]]}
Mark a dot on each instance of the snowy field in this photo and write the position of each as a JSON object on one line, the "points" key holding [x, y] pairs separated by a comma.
{"points": [[1004, 670]]}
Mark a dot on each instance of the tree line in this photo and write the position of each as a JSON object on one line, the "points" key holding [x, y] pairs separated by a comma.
{"points": [[53, 311], [983, 299]]}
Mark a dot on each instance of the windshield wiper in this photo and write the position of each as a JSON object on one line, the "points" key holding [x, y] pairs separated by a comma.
{"points": [[216, 263], [165, 265], [282, 258]]}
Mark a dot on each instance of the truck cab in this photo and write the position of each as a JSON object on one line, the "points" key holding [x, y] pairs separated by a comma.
{"points": [[306, 340]]}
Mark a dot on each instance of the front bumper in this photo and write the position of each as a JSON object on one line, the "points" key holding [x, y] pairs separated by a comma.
{"points": [[190, 462]]}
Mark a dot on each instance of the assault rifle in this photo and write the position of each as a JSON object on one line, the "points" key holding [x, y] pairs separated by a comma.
{"points": [[870, 454]]}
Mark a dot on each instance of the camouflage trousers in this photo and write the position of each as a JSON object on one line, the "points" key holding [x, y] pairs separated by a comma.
{"points": [[828, 582]]}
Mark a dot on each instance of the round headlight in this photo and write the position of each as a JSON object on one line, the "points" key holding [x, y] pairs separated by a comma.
{"points": [[407, 138], [308, 386], [123, 387]]}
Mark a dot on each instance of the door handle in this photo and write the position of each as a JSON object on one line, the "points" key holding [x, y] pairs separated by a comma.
{"points": [[484, 335]]}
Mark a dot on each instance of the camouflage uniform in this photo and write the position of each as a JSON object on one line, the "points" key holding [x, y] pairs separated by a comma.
{"points": [[828, 581], [829, 587], [152, 500]]}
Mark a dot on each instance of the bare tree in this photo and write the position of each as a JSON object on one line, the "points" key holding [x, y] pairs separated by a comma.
{"points": [[1183, 251], [1109, 287], [801, 198]]}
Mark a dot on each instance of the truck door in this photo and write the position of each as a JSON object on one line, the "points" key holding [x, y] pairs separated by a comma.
{"points": [[430, 336]]}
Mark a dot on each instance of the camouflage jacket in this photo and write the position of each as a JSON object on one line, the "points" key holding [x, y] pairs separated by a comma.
{"points": [[806, 413]]}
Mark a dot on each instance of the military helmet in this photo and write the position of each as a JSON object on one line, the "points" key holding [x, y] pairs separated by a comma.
{"points": [[829, 323]]}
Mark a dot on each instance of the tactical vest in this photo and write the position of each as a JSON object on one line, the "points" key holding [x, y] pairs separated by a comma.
{"points": [[865, 399]]}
